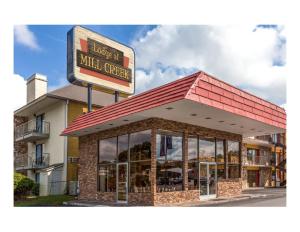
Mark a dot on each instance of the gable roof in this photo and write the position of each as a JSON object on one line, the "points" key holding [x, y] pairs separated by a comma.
{"points": [[198, 87]]}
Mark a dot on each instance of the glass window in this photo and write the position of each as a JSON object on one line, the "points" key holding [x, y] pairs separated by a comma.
{"points": [[233, 152], [108, 150], [140, 145], [233, 171], [140, 161], [169, 176], [220, 151], [221, 171], [140, 176], [220, 159], [123, 148], [233, 159], [169, 147], [192, 149], [193, 175], [207, 150], [107, 178]]}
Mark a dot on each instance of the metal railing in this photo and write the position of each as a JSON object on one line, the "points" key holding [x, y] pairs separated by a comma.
{"points": [[33, 162], [31, 127], [258, 160]]}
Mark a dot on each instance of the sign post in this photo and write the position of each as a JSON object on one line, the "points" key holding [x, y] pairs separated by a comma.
{"points": [[97, 61], [89, 97]]}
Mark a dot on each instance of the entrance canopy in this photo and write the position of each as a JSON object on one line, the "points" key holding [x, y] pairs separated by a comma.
{"points": [[198, 99]]}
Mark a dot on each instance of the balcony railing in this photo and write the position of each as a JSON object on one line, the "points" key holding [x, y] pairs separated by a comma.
{"points": [[258, 161], [33, 162], [32, 131]]}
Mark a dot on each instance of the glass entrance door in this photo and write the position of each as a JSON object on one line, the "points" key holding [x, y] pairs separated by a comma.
{"points": [[122, 180], [208, 179]]}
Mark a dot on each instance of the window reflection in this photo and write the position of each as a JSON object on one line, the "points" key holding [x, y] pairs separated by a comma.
{"points": [[140, 176], [107, 178], [123, 148], [233, 159], [169, 175], [233, 152], [140, 145], [220, 159], [193, 160], [192, 149], [207, 149], [193, 175], [108, 150], [140, 161]]}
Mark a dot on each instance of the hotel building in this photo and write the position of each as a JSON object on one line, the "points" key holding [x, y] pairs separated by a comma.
{"points": [[176, 143]]}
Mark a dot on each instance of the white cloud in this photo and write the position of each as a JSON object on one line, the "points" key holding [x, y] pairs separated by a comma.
{"points": [[19, 91], [24, 36], [238, 55]]}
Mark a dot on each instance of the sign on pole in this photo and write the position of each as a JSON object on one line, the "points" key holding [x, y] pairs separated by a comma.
{"points": [[93, 59]]}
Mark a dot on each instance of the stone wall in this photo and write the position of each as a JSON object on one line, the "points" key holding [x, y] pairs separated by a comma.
{"points": [[20, 148], [88, 150], [169, 198], [229, 187]]}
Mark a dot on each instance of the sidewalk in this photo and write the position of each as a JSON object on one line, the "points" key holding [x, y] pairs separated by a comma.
{"points": [[203, 203]]}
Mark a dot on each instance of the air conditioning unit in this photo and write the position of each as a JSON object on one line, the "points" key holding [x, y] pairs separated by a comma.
{"points": [[73, 160]]}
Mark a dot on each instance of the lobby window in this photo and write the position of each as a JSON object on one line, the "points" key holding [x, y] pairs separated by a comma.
{"points": [[233, 159], [193, 163], [140, 161], [123, 148], [107, 178], [207, 150], [107, 165], [220, 158], [169, 175], [108, 150]]}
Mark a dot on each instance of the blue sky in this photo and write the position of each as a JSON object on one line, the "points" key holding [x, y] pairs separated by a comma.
{"points": [[251, 57], [50, 58]]}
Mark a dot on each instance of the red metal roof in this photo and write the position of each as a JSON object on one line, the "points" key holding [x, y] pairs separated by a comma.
{"points": [[199, 87]]}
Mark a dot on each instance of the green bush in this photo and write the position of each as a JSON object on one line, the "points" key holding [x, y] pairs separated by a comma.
{"points": [[36, 189], [22, 185]]}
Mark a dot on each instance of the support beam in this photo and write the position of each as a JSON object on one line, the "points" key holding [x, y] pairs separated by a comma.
{"points": [[89, 97]]}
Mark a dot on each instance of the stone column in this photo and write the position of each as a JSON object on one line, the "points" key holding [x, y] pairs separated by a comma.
{"points": [[185, 160], [153, 164]]}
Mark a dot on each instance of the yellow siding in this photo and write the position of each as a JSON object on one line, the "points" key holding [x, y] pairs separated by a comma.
{"points": [[75, 109], [253, 146]]}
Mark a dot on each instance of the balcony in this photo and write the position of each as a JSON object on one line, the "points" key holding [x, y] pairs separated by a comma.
{"points": [[258, 161], [33, 162], [32, 131]]}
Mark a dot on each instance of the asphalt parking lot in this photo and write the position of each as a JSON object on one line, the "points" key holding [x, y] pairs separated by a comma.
{"points": [[268, 197]]}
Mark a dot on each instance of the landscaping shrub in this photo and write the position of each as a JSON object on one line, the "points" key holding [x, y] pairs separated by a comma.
{"points": [[36, 189], [22, 185]]}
